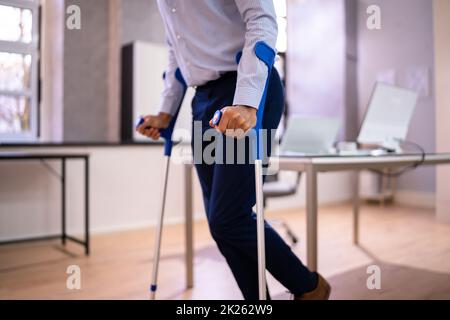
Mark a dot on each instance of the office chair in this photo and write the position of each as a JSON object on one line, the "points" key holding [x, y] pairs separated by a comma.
{"points": [[276, 188]]}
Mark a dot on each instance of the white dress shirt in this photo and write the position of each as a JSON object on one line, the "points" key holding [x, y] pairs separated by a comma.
{"points": [[204, 37]]}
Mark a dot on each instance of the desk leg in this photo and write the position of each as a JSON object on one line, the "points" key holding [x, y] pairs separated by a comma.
{"points": [[356, 203], [86, 203], [63, 201], [188, 226], [311, 217]]}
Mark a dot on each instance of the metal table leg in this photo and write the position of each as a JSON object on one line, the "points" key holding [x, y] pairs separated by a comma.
{"points": [[86, 203], [188, 226], [356, 207], [63, 201], [311, 217]]}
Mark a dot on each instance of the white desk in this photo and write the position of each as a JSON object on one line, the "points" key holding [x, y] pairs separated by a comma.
{"points": [[311, 166]]}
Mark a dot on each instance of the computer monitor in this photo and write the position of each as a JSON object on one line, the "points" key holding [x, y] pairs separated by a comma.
{"points": [[388, 116], [309, 135]]}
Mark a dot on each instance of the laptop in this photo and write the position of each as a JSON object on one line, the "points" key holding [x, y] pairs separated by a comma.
{"points": [[310, 137], [385, 125], [388, 117]]}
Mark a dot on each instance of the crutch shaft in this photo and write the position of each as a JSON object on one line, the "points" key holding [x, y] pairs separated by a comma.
{"points": [[158, 235], [260, 231]]}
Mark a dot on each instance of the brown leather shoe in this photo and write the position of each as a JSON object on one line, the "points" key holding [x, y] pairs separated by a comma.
{"points": [[321, 292]]}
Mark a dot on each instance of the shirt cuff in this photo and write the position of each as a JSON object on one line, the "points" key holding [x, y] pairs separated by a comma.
{"points": [[247, 96], [169, 104], [166, 107]]}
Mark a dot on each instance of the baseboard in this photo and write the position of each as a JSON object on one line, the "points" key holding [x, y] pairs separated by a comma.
{"points": [[416, 199], [79, 232], [198, 216]]}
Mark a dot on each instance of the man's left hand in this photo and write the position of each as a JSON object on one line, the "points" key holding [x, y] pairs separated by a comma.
{"points": [[236, 121]]}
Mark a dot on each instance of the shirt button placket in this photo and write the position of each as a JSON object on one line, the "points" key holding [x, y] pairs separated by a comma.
{"points": [[178, 37]]}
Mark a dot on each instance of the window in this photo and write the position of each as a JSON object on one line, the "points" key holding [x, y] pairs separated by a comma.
{"points": [[18, 70]]}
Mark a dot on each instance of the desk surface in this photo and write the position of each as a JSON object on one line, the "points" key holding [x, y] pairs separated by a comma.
{"points": [[41, 155], [430, 158], [74, 144], [341, 162]]}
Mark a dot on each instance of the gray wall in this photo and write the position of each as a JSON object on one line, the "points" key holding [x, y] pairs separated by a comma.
{"points": [[404, 42], [86, 74], [141, 21], [351, 69]]}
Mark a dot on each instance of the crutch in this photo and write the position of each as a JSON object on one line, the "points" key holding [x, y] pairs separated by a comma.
{"points": [[266, 54], [166, 134]]}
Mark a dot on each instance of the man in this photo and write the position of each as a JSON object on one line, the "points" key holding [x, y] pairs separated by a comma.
{"points": [[204, 37]]}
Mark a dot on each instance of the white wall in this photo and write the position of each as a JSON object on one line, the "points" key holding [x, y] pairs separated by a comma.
{"points": [[52, 66], [150, 61], [125, 192]]}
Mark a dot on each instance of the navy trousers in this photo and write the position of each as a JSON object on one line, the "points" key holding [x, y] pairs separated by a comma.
{"points": [[229, 196]]}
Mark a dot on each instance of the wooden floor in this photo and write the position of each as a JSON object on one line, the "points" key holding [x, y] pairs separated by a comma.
{"points": [[410, 247]]}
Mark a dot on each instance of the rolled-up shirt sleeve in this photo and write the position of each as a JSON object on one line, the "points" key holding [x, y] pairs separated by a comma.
{"points": [[173, 89], [261, 25]]}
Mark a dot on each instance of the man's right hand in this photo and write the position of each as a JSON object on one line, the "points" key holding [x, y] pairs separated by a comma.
{"points": [[152, 124]]}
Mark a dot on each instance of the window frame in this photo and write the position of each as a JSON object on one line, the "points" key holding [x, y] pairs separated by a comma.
{"points": [[284, 18], [31, 49]]}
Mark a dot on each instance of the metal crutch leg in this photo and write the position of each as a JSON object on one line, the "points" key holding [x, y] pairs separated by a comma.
{"points": [[166, 134], [260, 231], [158, 236], [266, 54]]}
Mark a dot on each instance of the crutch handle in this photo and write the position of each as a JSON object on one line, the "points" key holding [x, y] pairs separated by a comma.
{"points": [[267, 55], [167, 133]]}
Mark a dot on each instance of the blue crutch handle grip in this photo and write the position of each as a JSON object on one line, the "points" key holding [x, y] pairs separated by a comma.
{"points": [[167, 133], [217, 117]]}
